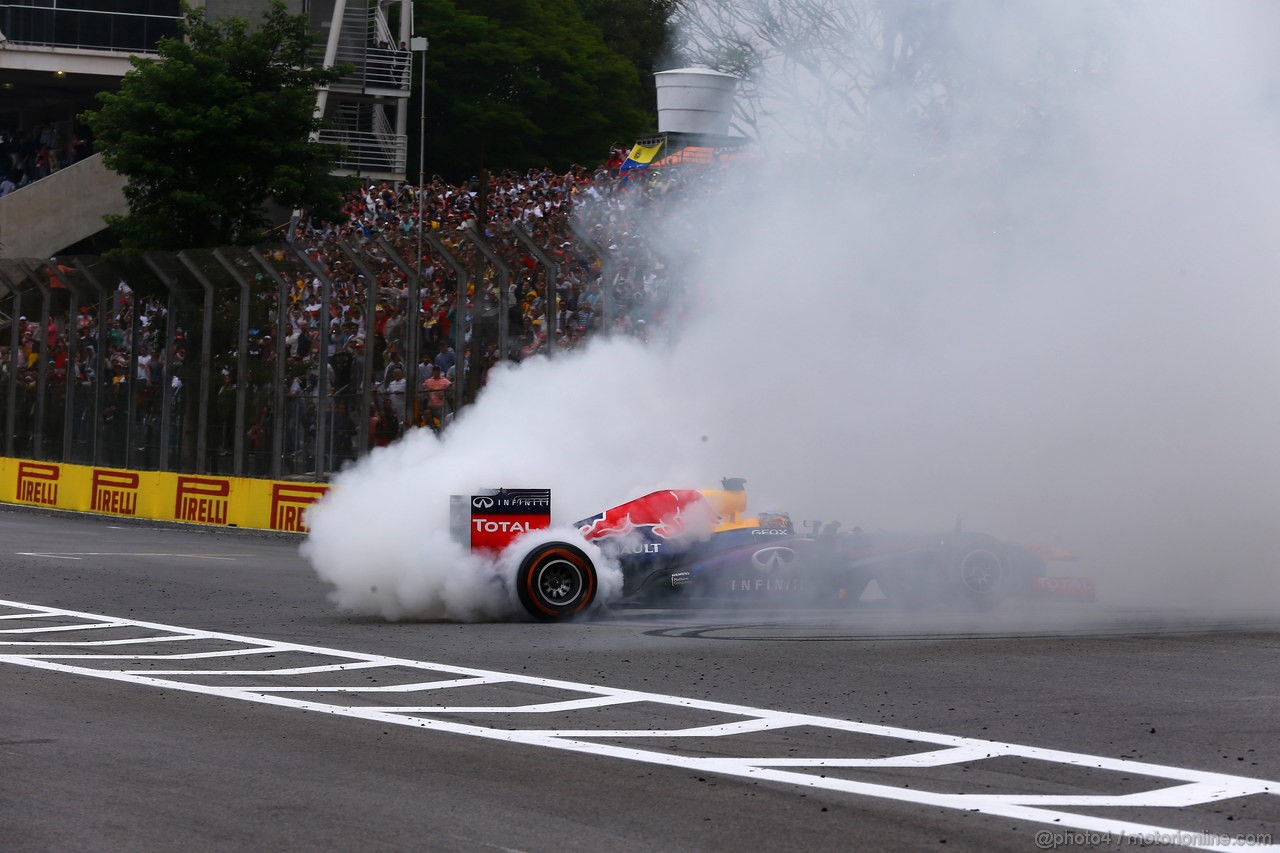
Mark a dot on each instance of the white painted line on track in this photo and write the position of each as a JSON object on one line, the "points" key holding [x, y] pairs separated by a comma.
{"points": [[296, 670], [382, 688], [933, 758], [1197, 787], [51, 628], [1191, 794], [78, 555], [164, 638], [225, 653], [537, 708], [720, 730]]}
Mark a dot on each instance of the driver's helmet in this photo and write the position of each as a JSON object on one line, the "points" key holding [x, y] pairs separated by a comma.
{"points": [[775, 521]]}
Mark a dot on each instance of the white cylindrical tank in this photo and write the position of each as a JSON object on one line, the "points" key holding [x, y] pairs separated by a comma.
{"points": [[695, 100]]}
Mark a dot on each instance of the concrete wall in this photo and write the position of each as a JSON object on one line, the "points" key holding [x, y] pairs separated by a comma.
{"points": [[43, 218]]}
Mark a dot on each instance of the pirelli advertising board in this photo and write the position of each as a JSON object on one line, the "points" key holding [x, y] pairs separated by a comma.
{"points": [[198, 499]]}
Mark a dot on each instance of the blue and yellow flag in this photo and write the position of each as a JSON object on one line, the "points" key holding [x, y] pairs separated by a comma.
{"points": [[641, 156]]}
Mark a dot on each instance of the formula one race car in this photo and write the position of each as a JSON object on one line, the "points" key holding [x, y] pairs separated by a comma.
{"points": [[700, 547]]}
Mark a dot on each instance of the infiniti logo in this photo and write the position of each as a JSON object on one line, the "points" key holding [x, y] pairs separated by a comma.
{"points": [[768, 559], [482, 503]]}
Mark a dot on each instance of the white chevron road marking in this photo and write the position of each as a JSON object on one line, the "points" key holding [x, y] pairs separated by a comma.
{"points": [[1172, 788]]}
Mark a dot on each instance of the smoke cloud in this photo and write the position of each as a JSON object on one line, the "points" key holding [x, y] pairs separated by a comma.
{"points": [[1046, 304]]}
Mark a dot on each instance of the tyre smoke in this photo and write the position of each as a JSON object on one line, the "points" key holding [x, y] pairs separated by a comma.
{"points": [[1045, 305], [381, 536]]}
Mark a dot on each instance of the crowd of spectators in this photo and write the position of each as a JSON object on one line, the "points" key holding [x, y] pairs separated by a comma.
{"points": [[607, 211], [72, 345], [575, 217], [27, 156]]}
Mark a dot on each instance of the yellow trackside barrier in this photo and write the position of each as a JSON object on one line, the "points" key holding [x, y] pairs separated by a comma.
{"points": [[199, 499]]}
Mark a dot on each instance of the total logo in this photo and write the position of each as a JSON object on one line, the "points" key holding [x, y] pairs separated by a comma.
{"points": [[483, 525]]}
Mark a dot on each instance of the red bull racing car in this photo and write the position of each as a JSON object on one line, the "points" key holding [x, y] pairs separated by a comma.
{"points": [[700, 547]]}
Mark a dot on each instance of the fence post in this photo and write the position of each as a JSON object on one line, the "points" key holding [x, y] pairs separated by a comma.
{"points": [[242, 362], [100, 356], [415, 299], [206, 356], [73, 346], [551, 270], [15, 341], [461, 364], [277, 413], [42, 365], [413, 321], [371, 308], [607, 271], [504, 295], [323, 410], [131, 379], [170, 335]]}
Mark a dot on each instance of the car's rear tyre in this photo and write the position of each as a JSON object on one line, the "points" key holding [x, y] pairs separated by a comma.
{"points": [[978, 569], [556, 581]]}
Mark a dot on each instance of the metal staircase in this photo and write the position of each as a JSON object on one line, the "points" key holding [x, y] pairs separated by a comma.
{"points": [[366, 110]]}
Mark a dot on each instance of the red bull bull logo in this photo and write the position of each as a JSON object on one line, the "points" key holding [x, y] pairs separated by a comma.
{"points": [[38, 484], [664, 514], [289, 503], [115, 492]]}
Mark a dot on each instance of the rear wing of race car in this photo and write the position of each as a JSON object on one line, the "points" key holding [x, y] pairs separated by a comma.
{"points": [[491, 519]]}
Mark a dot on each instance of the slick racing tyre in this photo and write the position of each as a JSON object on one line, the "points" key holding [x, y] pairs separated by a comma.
{"points": [[978, 569], [556, 581]]}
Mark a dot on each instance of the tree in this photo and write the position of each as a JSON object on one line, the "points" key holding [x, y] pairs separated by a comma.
{"points": [[637, 30], [840, 75], [522, 83], [830, 61], [213, 129]]}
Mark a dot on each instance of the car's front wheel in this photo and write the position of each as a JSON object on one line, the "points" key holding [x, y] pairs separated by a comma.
{"points": [[556, 581]]}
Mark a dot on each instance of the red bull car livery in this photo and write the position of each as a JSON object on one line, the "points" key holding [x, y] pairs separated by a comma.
{"points": [[700, 547]]}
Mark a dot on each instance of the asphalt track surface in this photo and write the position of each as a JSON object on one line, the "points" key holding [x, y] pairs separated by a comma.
{"points": [[642, 730]]}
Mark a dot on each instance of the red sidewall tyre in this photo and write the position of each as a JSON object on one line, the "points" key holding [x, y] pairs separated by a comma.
{"points": [[556, 581]]}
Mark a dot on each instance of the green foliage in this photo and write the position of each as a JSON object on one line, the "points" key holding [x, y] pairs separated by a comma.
{"points": [[515, 84], [215, 127], [638, 31]]}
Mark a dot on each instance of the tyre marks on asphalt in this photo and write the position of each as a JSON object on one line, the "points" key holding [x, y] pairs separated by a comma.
{"points": [[48, 644]]}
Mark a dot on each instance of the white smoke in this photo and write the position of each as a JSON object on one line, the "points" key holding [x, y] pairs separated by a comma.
{"points": [[582, 425], [1062, 329]]}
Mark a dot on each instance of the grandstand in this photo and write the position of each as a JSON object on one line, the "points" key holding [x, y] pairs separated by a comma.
{"points": [[290, 359], [55, 57], [284, 360]]}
